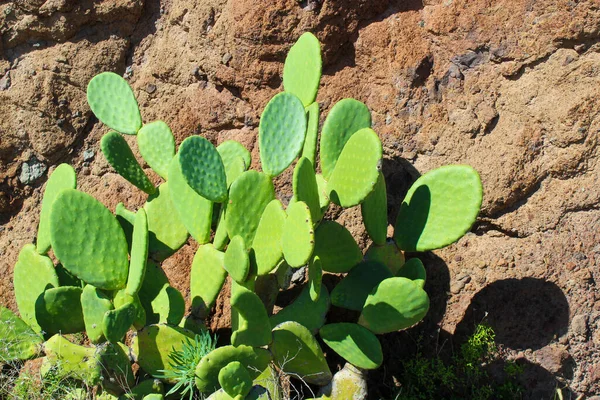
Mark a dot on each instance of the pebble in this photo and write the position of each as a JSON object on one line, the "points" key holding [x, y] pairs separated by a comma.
{"points": [[5, 81], [88, 155], [151, 88], [226, 58], [579, 325], [298, 276], [31, 171]]}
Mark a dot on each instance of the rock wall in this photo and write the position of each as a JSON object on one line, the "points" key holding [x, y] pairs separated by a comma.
{"points": [[511, 87]]}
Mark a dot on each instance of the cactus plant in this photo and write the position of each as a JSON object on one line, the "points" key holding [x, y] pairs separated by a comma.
{"points": [[109, 273]]}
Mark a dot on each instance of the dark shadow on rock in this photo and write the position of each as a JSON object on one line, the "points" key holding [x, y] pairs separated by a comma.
{"points": [[525, 313], [399, 175]]}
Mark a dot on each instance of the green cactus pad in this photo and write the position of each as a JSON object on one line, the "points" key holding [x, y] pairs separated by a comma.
{"points": [[354, 343], [154, 344], [139, 253], [121, 298], [126, 219], [269, 379], [230, 150], [221, 239], [248, 197], [389, 255], [235, 380], [116, 323], [17, 340], [236, 260], [249, 320], [254, 360], [33, 274], [152, 288], [88, 240], [302, 68], [267, 241], [414, 270], [71, 361], [296, 351], [117, 375], [356, 170], [63, 177], [194, 211], [439, 208], [157, 146], [336, 247], [305, 188], [51, 307], [168, 307], [281, 133], [154, 396], [203, 169], [374, 212], [206, 278], [346, 117], [94, 304], [352, 291], [113, 102], [298, 239], [315, 275], [394, 304], [65, 278], [234, 169], [121, 158], [145, 388], [166, 233], [303, 310], [323, 196], [312, 131]]}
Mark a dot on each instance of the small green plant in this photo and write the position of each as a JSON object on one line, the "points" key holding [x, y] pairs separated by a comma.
{"points": [[110, 279], [183, 363]]}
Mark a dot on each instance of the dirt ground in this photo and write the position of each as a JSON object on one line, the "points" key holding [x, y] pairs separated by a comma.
{"points": [[511, 87]]}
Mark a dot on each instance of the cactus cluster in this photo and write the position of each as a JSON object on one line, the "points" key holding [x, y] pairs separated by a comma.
{"points": [[110, 280]]}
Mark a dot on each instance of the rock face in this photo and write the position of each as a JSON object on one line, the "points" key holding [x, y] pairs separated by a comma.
{"points": [[511, 87]]}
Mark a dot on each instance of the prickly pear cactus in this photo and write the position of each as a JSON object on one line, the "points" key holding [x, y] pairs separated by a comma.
{"points": [[17, 340], [354, 343], [302, 68], [157, 146]]}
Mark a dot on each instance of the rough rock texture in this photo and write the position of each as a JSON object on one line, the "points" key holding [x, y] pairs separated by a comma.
{"points": [[511, 87]]}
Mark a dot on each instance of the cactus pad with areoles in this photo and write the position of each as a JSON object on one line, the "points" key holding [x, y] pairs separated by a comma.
{"points": [[439, 208], [88, 240], [63, 177], [346, 117], [203, 169], [113, 102], [58, 310], [157, 146], [139, 253], [33, 274], [298, 239], [121, 158], [281, 133], [414, 270], [230, 150], [305, 311], [305, 187], [356, 344], [267, 241], [357, 169], [374, 212], [194, 211], [206, 278], [352, 291], [255, 360], [312, 132], [248, 197], [302, 68], [17, 340], [389, 255], [116, 323], [296, 351], [94, 304], [235, 380], [249, 320], [394, 304], [236, 260], [336, 247], [315, 275]]}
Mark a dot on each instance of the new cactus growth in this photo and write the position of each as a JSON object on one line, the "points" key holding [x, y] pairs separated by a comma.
{"points": [[110, 278]]}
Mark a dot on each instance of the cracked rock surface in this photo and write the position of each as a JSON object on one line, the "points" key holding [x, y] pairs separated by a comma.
{"points": [[511, 87]]}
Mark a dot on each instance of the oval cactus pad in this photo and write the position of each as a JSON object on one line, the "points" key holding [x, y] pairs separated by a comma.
{"points": [[374, 212], [394, 304], [139, 253], [305, 187], [389, 255], [113, 102], [305, 311], [357, 169], [267, 242], [157, 146], [236, 260], [354, 343], [281, 133], [63, 177], [88, 240], [235, 380], [352, 291], [203, 169], [312, 132], [58, 310], [206, 278], [94, 304], [248, 198], [414, 270], [194, 211], [249, 321], [230, 150], [346, 117], [439, 208], [298, 239], [121, 158], [315, 276], [17, 340], [336, 248], [33, 274], [302, 68]]}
